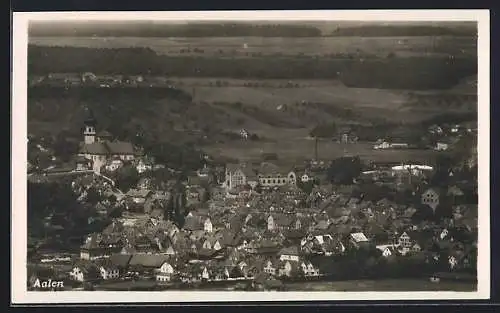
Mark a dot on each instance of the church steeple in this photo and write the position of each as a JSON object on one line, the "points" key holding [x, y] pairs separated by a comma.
{"points": [[89, 131]]}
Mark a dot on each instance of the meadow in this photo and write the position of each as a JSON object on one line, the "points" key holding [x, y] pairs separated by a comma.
{"points": [[295, 150], [262, 46]]}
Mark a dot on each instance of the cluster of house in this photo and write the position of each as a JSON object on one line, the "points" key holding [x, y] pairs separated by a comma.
{"points": [[272, 235], [264, 174], [444, 137], [258, 224], [91, 79]]}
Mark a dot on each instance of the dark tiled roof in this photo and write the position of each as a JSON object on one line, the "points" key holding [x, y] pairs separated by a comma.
{"points": [[120, 260], [94, 148], [105, 148], [294, 250], [267, 168], [104, 133], [148, 260], [120, 147]]}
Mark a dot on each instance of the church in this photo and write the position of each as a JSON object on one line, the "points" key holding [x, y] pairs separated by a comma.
{"points": [[100, 148]]}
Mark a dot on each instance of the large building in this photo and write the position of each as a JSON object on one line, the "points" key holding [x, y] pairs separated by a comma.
{"points": [[265, 174], [100, 148]]}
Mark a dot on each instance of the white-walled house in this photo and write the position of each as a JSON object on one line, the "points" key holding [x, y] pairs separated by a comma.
{"points": [[289, 254], [309, 269], [207, 225], [165, 272], [85, 272], [109, 272]]}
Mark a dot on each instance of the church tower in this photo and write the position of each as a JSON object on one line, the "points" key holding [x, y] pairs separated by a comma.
{"points": [[89, 131]]}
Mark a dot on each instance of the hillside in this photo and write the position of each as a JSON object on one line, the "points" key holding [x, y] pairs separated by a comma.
{"points": [[159, 29], [418, 73], [405, 30], [197, 109], [125, 113], [252, 28]]}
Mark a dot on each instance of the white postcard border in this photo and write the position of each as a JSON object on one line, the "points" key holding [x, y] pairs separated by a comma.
{"points": [[20, 295]]}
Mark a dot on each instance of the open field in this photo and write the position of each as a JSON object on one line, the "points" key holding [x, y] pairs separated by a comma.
{"points": [[309, 100], [362, 97], [296, 150], [260, 46], [383, 285]]}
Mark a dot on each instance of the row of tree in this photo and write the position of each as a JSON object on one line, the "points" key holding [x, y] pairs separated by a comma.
{"points": [[147, 29], [427, 73]]}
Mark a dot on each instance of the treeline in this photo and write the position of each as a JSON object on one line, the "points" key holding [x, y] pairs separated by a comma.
{"points": [[89, 93], [415, 73], [449, 101], [408, 73], [450, 118], [145, 29], [404, 31]]}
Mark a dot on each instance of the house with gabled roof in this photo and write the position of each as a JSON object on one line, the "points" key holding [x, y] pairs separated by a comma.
{"points": [[309, 270], [166, 271], [108, 270], [85, 271], [358, 240], [280, 222], [120, 261], [212, 242], [138, 196], [389, 251], [96, 247], [431, 197], [287, 268], [289, 253], [147, 262], [333, 246], [271, 266]]}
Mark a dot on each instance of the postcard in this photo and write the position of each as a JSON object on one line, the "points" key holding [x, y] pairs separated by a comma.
{"points": [[250, 156]]}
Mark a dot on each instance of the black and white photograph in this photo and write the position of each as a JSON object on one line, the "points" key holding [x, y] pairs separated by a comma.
{"points": [[250, 156]]}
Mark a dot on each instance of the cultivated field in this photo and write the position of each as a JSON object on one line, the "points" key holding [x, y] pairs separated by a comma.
{"points": [[274, 96], [296, 150], [257, 46]]}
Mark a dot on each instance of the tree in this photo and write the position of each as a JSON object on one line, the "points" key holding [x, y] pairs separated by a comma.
{"points": [[324, 131], [112, 199], [236, 272], [444, 163], [64, 148], [306, 187], [344, 170], [205, 195], [93, 197], [127, 177]]}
